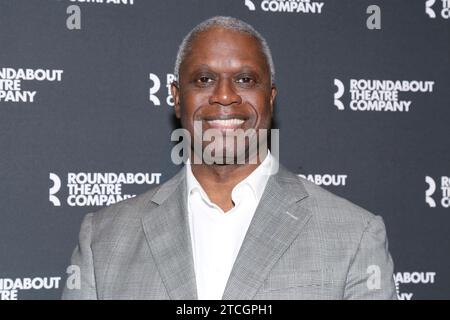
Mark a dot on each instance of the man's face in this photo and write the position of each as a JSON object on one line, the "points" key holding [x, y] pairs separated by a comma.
{"points": [[224, 82]]}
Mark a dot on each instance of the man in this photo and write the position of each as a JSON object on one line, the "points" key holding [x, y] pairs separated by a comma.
{"points": [[227, 230]]}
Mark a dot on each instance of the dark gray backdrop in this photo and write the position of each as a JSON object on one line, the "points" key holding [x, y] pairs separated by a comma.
{"points": [[99, 119]]}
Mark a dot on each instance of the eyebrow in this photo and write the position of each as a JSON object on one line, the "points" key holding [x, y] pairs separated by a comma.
{"points": [[202, 67]]}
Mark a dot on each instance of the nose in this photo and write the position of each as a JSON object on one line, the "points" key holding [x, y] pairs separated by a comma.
{"points": [[224, 94]]}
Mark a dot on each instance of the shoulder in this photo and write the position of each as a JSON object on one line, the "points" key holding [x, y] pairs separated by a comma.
{"points": [[134, 208], [326, 202], [335, 214], [342, 224], [126, 213]]}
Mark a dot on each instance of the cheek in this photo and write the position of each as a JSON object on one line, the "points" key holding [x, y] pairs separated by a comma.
{"points": [[190, 103], [260, 102]]}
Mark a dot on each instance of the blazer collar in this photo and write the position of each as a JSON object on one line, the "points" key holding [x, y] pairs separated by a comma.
{"points": [[278, 220], [166, 228], [280, 215]]}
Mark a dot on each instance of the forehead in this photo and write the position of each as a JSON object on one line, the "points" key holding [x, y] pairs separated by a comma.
{"points": [[223, 49]]}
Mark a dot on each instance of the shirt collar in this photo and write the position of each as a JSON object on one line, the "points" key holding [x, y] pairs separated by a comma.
{"points": [[256, 180]]}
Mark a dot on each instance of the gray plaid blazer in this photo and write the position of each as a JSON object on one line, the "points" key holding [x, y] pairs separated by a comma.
{"points": [[303, 243]]}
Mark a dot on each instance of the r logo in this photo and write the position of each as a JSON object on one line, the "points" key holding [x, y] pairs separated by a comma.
{"points": [[428, 10], [429, 192], [338, 94], [250, 5], [154, 89], [54, 189]]}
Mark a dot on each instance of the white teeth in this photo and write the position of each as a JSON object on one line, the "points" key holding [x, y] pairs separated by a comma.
{"points": [[228, 122]]}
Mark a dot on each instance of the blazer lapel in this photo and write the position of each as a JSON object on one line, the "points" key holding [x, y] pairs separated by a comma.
{"points": [[167, 231], [278, 220]]}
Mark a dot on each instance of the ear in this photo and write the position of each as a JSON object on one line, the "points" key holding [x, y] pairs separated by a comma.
{"points": [[273, 94], [175, 90]]}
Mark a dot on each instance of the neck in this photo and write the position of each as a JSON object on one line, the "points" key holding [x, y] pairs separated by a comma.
{"points": [[218, 181], [229, 174]]}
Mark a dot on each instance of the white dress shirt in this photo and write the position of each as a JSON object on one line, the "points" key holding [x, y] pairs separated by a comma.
{"points": [[217, 236]]}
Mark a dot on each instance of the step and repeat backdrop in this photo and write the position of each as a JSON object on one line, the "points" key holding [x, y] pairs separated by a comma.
{"points": [[86, 116]]}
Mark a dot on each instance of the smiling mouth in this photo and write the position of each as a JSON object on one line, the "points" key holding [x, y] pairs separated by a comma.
{"points": [[226, 122], [232, 123]]}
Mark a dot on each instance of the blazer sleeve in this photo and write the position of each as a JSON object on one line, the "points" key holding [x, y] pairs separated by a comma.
{"points": [[82, 259], [370, 276]]}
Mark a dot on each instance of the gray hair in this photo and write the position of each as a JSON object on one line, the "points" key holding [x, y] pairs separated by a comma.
{"points": [[229, 23]]}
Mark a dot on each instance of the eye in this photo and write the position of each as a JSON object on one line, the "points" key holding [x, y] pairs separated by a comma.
{"points": [[245, 79], [204, 79]]}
